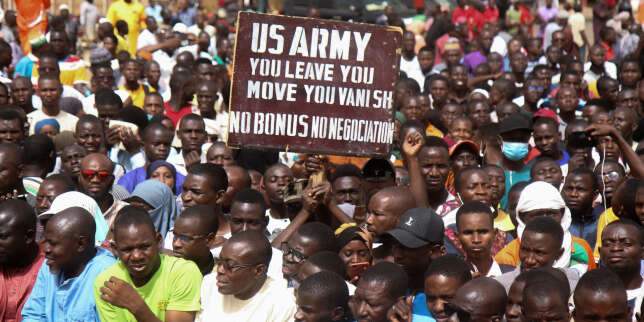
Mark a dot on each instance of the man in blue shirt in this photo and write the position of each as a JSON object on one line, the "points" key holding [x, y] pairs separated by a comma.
{"points": [[64, 288]]}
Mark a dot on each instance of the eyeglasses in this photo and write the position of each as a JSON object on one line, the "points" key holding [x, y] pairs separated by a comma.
{"points": [[612, 176], [231, 268], [186, 238], [297, 256], [538, 88], [463, 316], [102, 175]]}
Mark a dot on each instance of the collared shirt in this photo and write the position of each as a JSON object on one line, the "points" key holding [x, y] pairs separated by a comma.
{"points": [[54, 298], [448, 205], [15, 286]]}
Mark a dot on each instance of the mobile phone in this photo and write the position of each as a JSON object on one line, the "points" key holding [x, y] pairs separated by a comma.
{"points": [[580, 139], [293, 192], [356, 269]]}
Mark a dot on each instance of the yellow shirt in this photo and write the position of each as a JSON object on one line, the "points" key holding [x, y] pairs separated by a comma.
{"points": [[605, 218], [503, 221], [138, 96], [72, 71], [134, 14]]}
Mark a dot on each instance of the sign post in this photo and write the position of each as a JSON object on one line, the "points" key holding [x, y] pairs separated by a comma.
{"points": [[311, 85]]}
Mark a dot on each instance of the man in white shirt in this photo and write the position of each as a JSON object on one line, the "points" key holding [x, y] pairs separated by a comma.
{"points": [[409, 61], [49, 90], [147, 36], [598, 66], [240, 290]]}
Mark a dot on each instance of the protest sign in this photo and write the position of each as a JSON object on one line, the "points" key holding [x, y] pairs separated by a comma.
{"points": [[312, 85]]}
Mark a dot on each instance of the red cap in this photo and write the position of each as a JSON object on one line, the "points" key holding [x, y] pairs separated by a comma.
{"points": [[546, 112]]}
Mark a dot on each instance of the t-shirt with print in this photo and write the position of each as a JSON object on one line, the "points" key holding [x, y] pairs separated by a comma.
{"points": [[174, 287]]}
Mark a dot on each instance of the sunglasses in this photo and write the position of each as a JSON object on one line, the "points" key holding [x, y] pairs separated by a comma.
{"points": [[102, 175]]}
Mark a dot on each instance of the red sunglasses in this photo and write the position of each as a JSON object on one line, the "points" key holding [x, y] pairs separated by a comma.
{"points": [[102, 175]]}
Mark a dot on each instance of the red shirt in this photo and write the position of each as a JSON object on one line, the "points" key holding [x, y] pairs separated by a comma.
{"points": [[610, 52], [476, 21], [491, 14], [15, 287], [176, 116], [526, 17], [460, 15]]}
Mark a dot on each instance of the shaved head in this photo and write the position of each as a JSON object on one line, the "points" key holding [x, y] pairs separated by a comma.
{"points": [[74, 222], [399, 198], [482, 296], [102, 159], [11, 153], [19, 215], [256, 245]]}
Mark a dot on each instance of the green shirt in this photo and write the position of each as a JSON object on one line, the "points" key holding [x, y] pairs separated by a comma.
{"points": [[175, 286]]}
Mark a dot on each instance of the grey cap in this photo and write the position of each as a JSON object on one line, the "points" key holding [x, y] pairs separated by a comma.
{"points": [[418, 227], [99, 55]]}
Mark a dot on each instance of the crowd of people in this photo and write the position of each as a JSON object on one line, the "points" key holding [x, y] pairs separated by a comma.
{"points": [[514, 189]]}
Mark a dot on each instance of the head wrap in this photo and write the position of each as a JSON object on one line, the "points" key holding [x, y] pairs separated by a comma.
{"points": [[164, 208], [542, 195], [157, 164], [44, 122], [349, 232], [77, 199]]}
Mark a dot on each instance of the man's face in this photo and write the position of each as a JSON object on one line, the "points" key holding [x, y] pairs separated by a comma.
{"points": [[9, 172], [103, 78], [49, 91], [247, 216], [496, 184], [479, 113], [157, 144], [558, 39], [13, 239], [533, 91], [621, 249], [21, 91], [131, 72], [275, 180], [630, 74], [153, 73], [153, 105], [371, 301], [198, 191], [91, 179], [58, 43], [206, 98], [601, 306], [347, 190], [311, 309], [495, 61], [474, 187], [412, 110], [612, 90], [486, 40], [47, 192], [413, 260], [439, 91], [518, 62], [546, 138], [450, 112], [408, 42], [434, 164], [192, 135], [90, 136], [71, 159], [461, 129], [610, 171], [597, 56], [138, 249], [106, 113], [567, 99], [190, 240], [60, 249], [458, 77], [549, 172], [476, 234], [578, 194], [538, 250], [463, 158], [515, 299], [628, 98], [439, 290], [607, 146], [426, 60], [206, 71], [452, 56], [11, 131], [295, 253], [382, 215], [547, 308], [624, 121], [220, 155]]}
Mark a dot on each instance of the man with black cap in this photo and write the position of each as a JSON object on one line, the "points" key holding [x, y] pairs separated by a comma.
{"points": [[515, 132], [418, 238], [377, 173]]}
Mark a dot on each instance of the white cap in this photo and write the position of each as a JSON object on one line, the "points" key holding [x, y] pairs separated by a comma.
{"points": [[180, 28], [63, 7], [73, 199]]}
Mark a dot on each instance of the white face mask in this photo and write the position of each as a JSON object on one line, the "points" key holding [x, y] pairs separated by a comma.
{"points": [[347, 208]]}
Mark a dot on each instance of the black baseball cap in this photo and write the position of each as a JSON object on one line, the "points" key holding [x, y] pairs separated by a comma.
{"points": [[418, 227], [378, 167], [515, 122]]}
